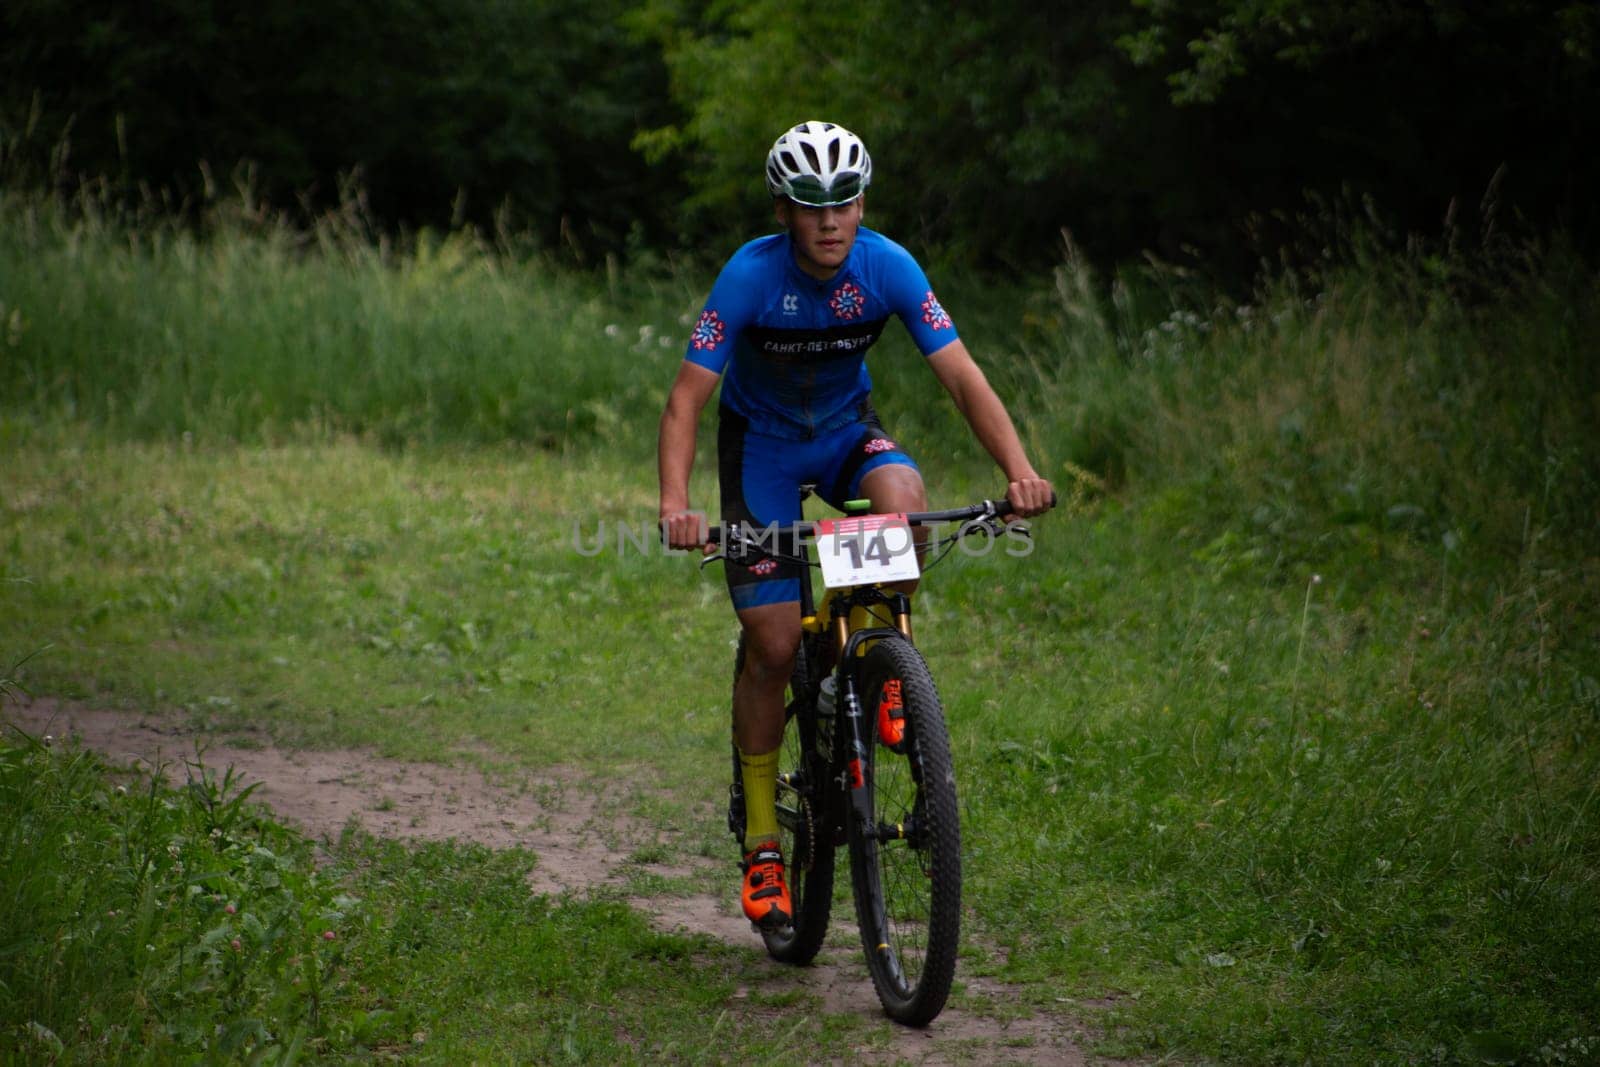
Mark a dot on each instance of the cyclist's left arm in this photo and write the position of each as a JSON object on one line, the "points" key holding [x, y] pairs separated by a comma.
{"points": [[961, 376]]}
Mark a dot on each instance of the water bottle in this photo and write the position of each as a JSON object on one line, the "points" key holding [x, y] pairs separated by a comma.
{"points": [[826, 697]]}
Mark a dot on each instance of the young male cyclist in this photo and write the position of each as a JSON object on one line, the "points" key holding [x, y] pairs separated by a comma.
{"points": [[786, 331]]}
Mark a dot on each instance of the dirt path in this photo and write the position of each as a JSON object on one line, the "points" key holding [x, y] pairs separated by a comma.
{"points": [[554, 816]]}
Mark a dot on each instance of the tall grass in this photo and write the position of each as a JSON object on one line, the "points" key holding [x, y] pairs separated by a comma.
{"points": [[178, 922], [251, 330], [1282, 742], [1330, 717], [1397, 393]]}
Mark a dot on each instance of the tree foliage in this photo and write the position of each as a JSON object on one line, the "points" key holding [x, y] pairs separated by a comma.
{"points": [[1153, 124], [441, 109], [990, 130], [1430, 108], [1191, 129]]}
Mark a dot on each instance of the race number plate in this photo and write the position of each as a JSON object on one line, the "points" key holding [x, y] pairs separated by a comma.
{"points": [[866, 549]]}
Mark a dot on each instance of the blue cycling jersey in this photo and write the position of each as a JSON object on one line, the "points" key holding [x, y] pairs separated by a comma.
{"points": [[793, 349]]}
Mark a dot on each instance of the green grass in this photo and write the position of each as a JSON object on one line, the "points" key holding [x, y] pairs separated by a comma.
{"points": [[272, 334], [328, 593], [183, 925], [1298, 820], [1281, 743]]}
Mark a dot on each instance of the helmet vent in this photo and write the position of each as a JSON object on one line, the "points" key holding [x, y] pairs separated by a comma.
{"points": [[818, 164]]}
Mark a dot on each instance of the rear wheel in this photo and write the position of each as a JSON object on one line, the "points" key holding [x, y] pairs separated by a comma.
{"points": [[808, 857], [906, 864]]}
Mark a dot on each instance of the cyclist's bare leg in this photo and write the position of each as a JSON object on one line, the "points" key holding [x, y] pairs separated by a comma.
{"points": [[895, 489], [771, 638]]}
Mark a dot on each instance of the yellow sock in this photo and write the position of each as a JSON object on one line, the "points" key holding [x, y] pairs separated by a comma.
{"points": [[760, 776]]}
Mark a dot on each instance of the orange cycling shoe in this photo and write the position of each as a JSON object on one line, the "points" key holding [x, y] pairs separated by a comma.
{"points": [[891, 715], [765, 896]]}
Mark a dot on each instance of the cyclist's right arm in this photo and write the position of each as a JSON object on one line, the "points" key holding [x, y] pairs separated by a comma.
{"points": [[729, 309], [694, 385]]}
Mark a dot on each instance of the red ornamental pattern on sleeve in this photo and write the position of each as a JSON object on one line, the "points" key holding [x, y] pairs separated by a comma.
{"points": [[848, 302], [933, 313], [708, 332]]}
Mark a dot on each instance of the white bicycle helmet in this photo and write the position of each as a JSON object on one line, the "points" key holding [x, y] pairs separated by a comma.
{"points": [[818, 164]]}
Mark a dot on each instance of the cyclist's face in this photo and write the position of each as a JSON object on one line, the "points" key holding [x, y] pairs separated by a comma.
{"points": [[822, 236]]}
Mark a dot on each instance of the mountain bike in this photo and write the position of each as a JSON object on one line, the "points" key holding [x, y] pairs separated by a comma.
{"points": [[866, 757]]}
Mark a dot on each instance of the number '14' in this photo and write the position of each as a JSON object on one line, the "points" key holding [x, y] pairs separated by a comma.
{"points": [[876, 549]]}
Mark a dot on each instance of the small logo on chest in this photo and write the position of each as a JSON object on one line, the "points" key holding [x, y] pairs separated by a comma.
{"points": [[848, 301], [791, 304]]}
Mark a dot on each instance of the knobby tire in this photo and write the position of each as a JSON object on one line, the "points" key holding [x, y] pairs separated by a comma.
{"points": [[906, 869]]}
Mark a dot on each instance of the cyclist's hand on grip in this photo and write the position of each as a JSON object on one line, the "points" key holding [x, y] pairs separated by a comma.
{"points": [[684, 529], [1030, 496]]}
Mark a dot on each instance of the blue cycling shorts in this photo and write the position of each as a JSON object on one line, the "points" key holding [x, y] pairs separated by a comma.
{"points": [[761, 477]]}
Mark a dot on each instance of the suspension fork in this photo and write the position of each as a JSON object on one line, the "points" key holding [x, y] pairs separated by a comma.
{"points": [[852, 628], [858, 733], [854, 614], [900, 608]]}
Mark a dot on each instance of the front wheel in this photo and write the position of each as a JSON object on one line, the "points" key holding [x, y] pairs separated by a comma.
{"points": [[905, 861]]}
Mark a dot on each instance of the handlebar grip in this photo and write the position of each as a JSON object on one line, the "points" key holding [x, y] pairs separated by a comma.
{"points": [[1003, 505], [713, 532]]}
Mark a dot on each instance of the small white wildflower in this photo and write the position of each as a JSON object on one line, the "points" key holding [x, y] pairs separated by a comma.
{"points": [[612, 329]]}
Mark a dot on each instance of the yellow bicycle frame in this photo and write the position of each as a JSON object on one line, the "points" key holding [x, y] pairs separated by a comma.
{"points": [[859, 618]]}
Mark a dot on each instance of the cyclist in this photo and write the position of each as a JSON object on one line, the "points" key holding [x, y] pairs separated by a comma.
{"points": [[785, 331]]}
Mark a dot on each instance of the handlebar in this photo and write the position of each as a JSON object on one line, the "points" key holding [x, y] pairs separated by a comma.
{"points": [[984, 509]]}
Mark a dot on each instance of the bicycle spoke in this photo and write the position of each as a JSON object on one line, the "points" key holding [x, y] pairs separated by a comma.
{"points": [[906, 863]]}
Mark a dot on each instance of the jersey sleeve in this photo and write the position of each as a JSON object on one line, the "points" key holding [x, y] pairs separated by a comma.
{"points": [[729, 309], [909, 296]]}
